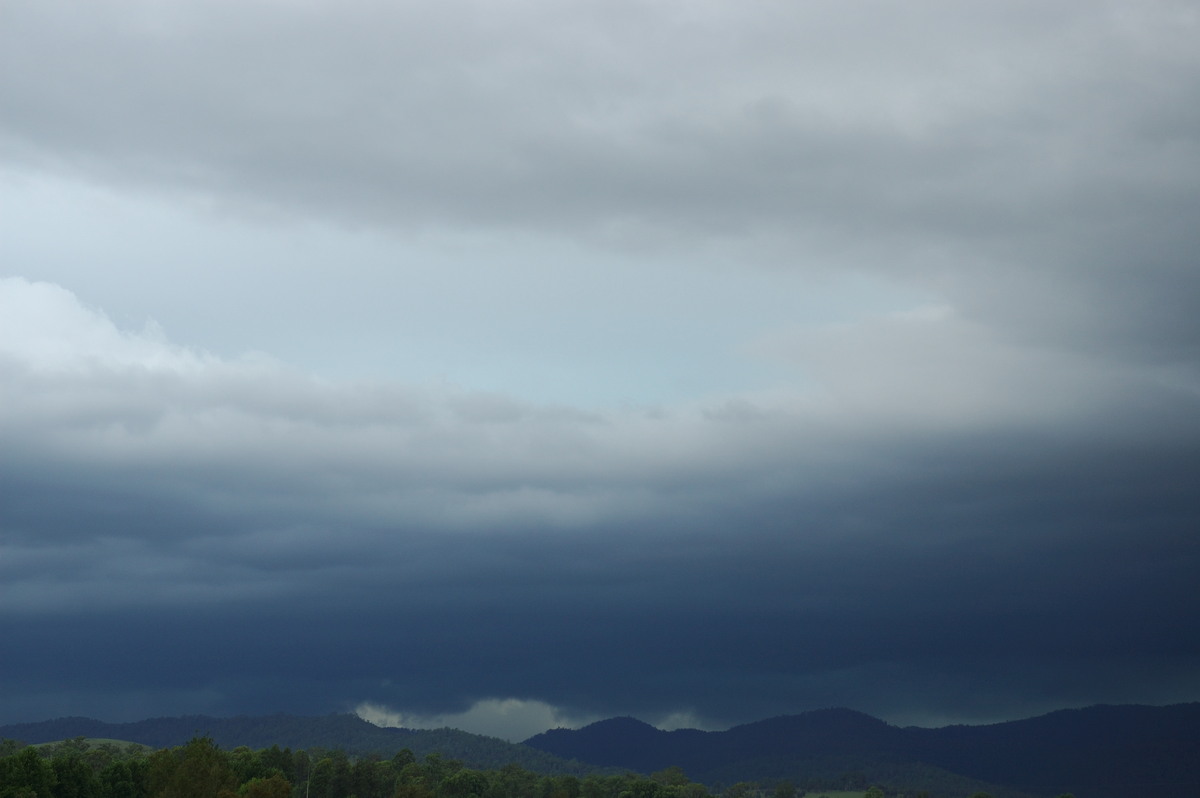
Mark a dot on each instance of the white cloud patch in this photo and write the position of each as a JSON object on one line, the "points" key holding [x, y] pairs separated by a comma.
{"points": [[511, 719], [46, 327], [684, 719]]}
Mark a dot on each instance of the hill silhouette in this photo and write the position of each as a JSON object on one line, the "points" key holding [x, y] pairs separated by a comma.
{"points": [[1099, 752], [346, 732]]}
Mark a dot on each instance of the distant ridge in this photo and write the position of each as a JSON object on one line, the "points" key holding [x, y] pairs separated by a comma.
{"points": [[347, 732], [1098, 752]]}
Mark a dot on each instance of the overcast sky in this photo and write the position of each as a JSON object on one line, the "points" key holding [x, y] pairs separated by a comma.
{"points": [[518, 364]]}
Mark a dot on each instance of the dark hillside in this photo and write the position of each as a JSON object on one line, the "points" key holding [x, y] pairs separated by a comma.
{"points": [[627, 743], [1102, 751], [823, 731], [1099, 752], [347, 732]]}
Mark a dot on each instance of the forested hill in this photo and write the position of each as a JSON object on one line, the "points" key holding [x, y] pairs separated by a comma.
{"points": [[1099, 752], [346, 732]]}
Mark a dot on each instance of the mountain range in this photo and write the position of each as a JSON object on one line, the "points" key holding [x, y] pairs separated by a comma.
{"points": [[1097, 752]]}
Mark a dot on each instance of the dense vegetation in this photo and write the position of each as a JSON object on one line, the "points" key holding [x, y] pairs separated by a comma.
{"points": [[349, 733], [201, 769]]}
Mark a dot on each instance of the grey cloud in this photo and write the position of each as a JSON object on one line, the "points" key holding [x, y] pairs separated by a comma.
{"points": [[402, 112], [1023, 163], [1034, 166]]}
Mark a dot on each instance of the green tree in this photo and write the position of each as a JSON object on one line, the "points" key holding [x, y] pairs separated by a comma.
{"points": [[246, 764], [73, 776], [123, 779], [592, 786], [273, 786], [26, 775], [670, 777], [638, 787], [10, 747], [565, 787], [465, 783], [102, 755], [438, 768], [273, 759], [330, 777], [200, 770], [372, 778], [514, 781], [412, 789]]}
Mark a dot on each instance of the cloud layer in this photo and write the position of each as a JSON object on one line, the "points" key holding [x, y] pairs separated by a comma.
{"points": [[281, 540], [898, 305]]}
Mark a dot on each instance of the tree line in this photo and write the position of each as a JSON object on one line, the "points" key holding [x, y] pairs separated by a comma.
{"points": [[201, 769]]}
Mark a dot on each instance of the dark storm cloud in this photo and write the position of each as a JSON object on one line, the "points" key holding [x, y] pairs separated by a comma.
{"points": [[228, 553]]}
